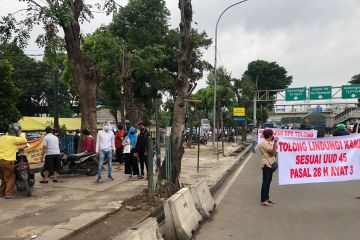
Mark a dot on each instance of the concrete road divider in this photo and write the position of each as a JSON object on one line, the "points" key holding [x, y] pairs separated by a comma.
{"points": [[203, 200], [146, 230], [181, 216]]}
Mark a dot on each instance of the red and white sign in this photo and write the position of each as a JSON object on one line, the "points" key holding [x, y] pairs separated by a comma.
{"points": [[288, 133], [332, 159]]}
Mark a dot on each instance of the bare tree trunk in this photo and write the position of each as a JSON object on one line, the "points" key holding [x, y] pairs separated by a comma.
{"points": [[182, 82], [130, 108]]}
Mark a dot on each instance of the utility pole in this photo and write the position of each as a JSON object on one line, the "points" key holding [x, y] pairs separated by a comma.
{"points": [[215, 66]]}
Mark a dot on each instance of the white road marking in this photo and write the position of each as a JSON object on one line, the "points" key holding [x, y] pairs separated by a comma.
{"points": [[224, 190]]}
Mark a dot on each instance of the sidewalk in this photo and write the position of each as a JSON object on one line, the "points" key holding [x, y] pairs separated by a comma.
{"points": [[76, 201]]}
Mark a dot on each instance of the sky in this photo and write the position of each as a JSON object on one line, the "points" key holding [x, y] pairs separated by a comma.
{"points": [[315, 40]]}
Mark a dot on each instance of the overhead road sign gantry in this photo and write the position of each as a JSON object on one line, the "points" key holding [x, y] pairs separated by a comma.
{"points": [[350, 91], [295, 94], [320, 93]]}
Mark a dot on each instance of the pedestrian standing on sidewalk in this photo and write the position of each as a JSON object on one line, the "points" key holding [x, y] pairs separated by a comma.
{"points": [[254, 135], [141, 149], [89, 142], [268, 164], [8, 146], [131, 162], [51, 152], [105, 148], [119, 138]]}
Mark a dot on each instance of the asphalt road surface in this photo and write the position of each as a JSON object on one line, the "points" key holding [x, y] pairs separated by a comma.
{"points": [[308, 211]]}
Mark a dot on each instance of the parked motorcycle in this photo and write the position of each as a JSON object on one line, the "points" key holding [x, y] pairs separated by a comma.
{"points": [[81, 163], [25, 179]]}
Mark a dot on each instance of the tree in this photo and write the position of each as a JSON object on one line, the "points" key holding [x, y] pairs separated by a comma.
{"points": [[261, 75], [8, 95], [355, 79], [182, 89], [225, 94], [66, 14], [268, 75], [35, 81], [106, 52], [143, 27], [29, 77], [151, 50]]}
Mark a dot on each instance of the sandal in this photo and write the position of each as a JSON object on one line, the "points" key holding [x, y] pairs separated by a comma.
{"points": [[43, 181], [55, 180], [266, 204], [271, 202]]}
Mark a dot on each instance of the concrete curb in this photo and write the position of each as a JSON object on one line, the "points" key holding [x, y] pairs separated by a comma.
{"points": [[230, 170], [159, 212], [66, 230]]}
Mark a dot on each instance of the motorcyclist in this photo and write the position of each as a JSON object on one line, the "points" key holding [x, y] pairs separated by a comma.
{"points": [[8, 146]]}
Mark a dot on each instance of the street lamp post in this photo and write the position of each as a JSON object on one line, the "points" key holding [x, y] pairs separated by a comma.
{"points": [[215, 65], [254, 114]]}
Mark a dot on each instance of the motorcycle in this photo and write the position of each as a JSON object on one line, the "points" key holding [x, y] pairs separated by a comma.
{"points": [[81, 163], [25, 179]]}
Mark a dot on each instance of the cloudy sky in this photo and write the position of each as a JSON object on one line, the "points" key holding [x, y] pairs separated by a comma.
{"points": [[317, 41]]}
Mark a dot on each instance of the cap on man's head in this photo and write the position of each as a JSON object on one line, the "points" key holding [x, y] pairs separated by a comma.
{"points": [[341, 126]]}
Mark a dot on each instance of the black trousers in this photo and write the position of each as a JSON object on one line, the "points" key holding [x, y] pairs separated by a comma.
{"points": [[265, 187], [143, 161], [131, 164], [119, 155]]}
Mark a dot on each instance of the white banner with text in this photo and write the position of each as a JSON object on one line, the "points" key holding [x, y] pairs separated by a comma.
{"points": [[332, 159], [288, 133]]}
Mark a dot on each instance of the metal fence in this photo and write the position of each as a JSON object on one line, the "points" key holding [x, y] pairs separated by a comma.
{"points": [[67, 144]]}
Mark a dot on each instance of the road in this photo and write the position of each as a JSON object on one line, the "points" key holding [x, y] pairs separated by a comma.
{"points": [[308, 211]]}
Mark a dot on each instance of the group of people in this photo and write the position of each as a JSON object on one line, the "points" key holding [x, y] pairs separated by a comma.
{"points": [[130, 147]]}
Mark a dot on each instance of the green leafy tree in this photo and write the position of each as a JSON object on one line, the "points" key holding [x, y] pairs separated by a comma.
{"points": [[35, 81], [29, 77], [106, 52], [261, 75], [268, 75], [67, 15], [8, 97], [355, 79], [143, 26], [153, 49], [225, 94]]}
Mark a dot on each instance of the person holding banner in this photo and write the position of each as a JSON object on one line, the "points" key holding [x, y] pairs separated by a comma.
{"points": [[8, 146], [268, 164]]}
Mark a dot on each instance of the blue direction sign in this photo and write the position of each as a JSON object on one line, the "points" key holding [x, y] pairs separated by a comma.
{"points": [[239, 119]]}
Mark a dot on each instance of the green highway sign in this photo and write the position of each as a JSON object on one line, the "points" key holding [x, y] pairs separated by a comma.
{"points": [[320, 93], [351, 91], [295, 94]]}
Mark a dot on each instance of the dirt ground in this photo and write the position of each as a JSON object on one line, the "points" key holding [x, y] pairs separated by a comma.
{"points": [[116, 223]]}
